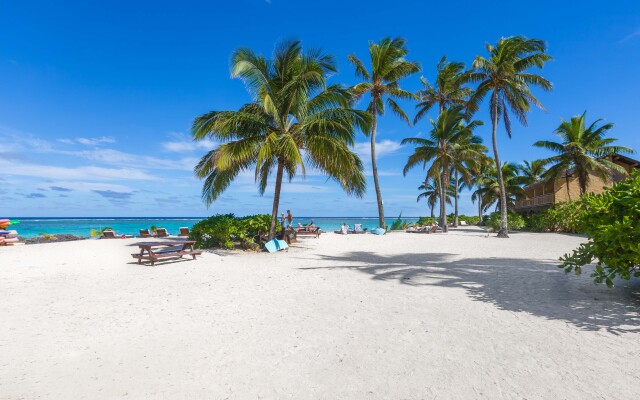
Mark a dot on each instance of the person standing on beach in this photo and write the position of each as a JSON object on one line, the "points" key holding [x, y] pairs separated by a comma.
{"points": [[283, 220], [289, 218]]}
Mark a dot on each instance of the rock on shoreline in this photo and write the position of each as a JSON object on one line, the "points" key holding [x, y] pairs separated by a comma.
{"points": [[53, 239]]}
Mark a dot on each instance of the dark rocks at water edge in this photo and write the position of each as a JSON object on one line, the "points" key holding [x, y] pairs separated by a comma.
{"points": [[53, 239]]}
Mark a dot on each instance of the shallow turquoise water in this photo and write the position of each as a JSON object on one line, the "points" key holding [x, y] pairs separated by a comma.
{"points": [[30, 227]]}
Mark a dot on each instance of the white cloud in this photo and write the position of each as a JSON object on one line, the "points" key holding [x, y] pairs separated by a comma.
{"points": [[383, 148], [89, 141], [83, 173], [184, 146], [182, 143], [632, 35]]}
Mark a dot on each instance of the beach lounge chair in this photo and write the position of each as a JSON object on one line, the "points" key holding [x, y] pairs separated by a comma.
{"points": [[306, 232], [144, 233], [108, 235], [184, 232], [357, 228], [162, 232]]}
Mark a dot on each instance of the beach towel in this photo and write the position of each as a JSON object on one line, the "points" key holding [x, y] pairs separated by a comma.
{"points": [[276, 245], [378, 231]]}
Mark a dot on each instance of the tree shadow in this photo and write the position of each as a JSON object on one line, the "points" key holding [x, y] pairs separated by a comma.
{"points": [[537, 287]]}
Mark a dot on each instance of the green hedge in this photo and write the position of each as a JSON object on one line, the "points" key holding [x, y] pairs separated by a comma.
{"points": [[611, 220], [227, 231], [562, 217], [515, 221]]}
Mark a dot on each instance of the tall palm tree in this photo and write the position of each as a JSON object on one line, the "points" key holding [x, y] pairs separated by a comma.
{"points": [[451, 141], [533, 171], [513, 186], [449, 91], [382, 82], [294, 121], [430, 190], [504, 77], [582, 151]]}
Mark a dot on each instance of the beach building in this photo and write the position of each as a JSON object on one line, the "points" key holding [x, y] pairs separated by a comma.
{"points": [[544, 194]]}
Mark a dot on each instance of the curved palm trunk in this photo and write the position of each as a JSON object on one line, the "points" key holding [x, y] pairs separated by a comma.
{"points": [[443, 201], [432, 214], [276, 200], [479, 211], [504, 230], [374, 169], [455, 218]]}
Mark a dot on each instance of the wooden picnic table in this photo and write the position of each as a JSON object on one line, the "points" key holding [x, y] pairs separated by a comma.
{"points": [[186, 249]]}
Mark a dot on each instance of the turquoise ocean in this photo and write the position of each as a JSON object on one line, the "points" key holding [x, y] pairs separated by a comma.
{"points": [[30, 227]]}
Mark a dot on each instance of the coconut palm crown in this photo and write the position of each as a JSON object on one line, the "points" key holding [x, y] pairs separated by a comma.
{"points": [[449, 89], [532, 171], [295, 121], [583, 151], [505, 78], [382, 83]]}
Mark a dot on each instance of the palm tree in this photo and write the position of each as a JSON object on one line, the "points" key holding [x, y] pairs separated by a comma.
{"points": [[430, 190], [479, 171], [583, 151], [472, 153], [449, 91], [491, 191], [388, 67], [533, 171], [505, 77], [294, 121], [450, 143], [449, 88]]}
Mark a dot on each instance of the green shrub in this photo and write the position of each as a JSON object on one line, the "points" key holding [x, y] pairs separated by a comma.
{"points": [[515, 221], [562, 217], [399, 224], [427, 221], [611, 220], [225, 230], [470, 220]]}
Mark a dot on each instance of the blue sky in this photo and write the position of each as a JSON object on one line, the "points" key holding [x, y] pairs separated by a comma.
{"points": [[97, 98]]}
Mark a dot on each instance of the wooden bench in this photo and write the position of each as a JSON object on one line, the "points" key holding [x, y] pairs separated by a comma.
{"points": [[186, 249]]}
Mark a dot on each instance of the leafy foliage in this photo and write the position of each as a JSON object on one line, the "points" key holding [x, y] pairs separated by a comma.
{"points": [[296, 120], [561, 217], [611, 220], [582, 152], [399, 224], [516, 221], [426, 221], [225, 231], [532, 171]]}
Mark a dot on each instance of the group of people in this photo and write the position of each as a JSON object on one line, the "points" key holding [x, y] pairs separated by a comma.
{"points": [[287, 223]]}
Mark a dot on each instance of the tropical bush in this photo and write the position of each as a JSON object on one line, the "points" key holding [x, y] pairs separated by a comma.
{"points": [[399, 224], [470, 220], [427, 221], [562, 217], [227, 231], [611, 220], [516, 221]]}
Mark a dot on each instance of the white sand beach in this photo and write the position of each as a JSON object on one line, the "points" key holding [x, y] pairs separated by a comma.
{"points": [[400, 316]]}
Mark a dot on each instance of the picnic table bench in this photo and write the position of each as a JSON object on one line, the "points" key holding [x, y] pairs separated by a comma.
{"points": [[185, 249]]}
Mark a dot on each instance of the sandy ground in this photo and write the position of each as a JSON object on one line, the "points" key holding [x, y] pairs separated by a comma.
{"points": [[400, 316]]}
